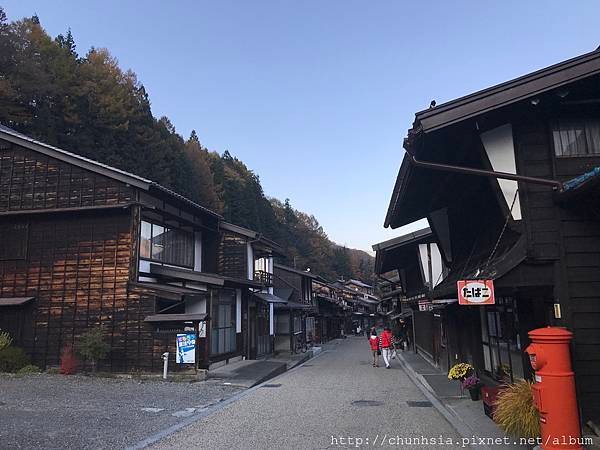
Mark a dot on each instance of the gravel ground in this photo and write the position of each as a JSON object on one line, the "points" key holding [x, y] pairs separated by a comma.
{"points": [[57, 412], [337, 400]]}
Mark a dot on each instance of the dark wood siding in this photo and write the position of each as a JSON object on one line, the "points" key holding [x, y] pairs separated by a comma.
{"points": [[570, 235], [33, 181], [233, 256], [534, 158], [581, 233], [78, 270]]}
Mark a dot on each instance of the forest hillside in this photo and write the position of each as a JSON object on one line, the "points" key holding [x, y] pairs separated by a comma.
{"points": [[89, 105]]}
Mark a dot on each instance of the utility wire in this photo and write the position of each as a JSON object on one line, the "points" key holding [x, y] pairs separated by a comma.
{"points": [[502, 232]]}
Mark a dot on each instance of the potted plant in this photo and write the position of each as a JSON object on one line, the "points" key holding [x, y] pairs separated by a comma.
{"points": [[473, 384], [459, 372], [515, 412]]}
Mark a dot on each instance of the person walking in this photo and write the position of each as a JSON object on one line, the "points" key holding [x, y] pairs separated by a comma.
{"points": [[386, 346], [374, 343]]}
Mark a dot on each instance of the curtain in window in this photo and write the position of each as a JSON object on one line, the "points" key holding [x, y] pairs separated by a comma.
{"points": [[592, 134], [576, 138], [168, 245]]}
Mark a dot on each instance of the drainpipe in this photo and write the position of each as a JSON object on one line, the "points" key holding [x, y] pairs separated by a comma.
{"points": [[556, 185]]}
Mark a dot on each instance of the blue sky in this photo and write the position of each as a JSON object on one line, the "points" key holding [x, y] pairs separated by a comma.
{"points": [[316, 96]]}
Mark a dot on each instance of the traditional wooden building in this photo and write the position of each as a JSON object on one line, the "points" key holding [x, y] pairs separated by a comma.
{"points": [[294, 319], [245, 253], [507, 178], [361, 305], [87, 245], [416, 259], [330, 311]]}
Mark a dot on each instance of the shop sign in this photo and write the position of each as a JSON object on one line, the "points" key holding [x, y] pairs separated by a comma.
{"points": [[186, 348], [476, 292]]}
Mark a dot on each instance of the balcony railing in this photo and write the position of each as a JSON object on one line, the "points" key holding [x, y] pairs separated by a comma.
{"points": [[263, 277]]}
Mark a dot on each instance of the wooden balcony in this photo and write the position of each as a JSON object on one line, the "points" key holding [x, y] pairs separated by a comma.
{"points": [[263, 277]]}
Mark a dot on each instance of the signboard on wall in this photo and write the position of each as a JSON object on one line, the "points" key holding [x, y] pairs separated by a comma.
{"points": [[425, 305], [476, 292], [186, 348]]}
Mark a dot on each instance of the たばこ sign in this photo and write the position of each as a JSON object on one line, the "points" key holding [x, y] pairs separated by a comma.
{"points": [[475, 292]]}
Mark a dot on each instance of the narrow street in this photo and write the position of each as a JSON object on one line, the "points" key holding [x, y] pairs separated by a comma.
{"points": [[336, 400]]}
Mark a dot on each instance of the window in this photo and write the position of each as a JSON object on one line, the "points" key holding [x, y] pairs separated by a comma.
{"points": [[167, 245], [13, 241], [576, 137]]}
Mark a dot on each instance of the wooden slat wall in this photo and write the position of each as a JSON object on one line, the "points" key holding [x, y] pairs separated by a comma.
{"points": [[233, 256], [31, 180], [572, 236], [581, 237], [78, 265], [78, 270], [534, 158]]}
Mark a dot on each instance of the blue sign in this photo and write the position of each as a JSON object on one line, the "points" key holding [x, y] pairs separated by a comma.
{"points": [[186, 348]]}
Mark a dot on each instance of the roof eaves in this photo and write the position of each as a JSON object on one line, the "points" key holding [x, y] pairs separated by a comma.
{"points": [[517, 89], [403, 240]]}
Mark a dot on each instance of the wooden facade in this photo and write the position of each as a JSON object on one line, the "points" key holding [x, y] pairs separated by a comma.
{"points": [[540, 245], [86, 245]]}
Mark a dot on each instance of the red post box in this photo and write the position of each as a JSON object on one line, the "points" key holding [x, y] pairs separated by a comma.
{"points": [[554, 388]]}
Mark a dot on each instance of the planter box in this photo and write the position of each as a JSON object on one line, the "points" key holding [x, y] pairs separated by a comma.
{"points": [[489, 394]]}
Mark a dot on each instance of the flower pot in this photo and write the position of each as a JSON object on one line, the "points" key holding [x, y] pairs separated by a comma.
{"points": [[475, 394]]}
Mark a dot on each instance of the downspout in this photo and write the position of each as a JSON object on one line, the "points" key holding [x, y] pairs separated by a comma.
{"points": [[556, 185]]}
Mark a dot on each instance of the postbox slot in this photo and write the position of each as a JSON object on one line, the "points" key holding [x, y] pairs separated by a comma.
{"points": [[537, 398]]}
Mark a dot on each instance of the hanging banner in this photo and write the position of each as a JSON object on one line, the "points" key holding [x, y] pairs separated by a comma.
{"points": [[476, 292], [186, 348]]}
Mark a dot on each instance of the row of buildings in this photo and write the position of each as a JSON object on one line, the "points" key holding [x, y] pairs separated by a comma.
{"points": [[85, 245], [508, 180]]}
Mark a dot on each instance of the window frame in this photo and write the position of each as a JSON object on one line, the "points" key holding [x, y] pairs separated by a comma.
{"points": [[153, 259], [554, 126], [223, 300]]}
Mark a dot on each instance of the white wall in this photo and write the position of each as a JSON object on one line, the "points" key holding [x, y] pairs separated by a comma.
{"points": [[271, 319], [437, 266], [250, 253], [197, 306], [499, 146], [270, 270], [198, 251]]}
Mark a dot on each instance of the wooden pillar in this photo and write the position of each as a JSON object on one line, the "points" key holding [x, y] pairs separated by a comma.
{"points": [[197, 346], [207, 339]]}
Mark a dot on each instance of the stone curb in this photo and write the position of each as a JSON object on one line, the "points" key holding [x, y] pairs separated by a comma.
{"points": [[153, 439], [455, 421]]}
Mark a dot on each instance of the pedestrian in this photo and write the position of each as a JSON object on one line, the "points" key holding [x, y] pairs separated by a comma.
{"points": [[386, 346], [358, 330], [374, 343]]}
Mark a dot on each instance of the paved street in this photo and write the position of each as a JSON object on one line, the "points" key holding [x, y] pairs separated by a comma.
{"points": [[330, 402], [78, 412]]}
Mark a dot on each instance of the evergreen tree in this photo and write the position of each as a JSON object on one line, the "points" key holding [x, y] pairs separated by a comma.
{"points": [[89, 105]]}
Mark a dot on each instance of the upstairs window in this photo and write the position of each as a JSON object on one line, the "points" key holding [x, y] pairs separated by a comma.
{"points": [[166, 245], [576, 137]]}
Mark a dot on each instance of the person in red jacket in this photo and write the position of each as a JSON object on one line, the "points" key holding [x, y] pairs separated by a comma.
{"points": [[374, 343], [387, 342]]}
